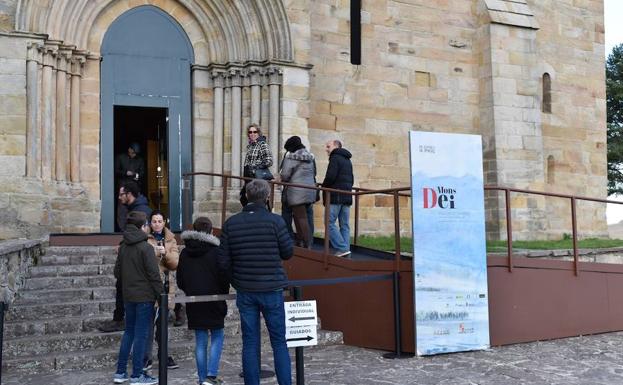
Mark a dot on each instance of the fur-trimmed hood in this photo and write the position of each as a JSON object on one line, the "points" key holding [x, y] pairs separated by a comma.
{"points": [[301, 155], [192, 235]]}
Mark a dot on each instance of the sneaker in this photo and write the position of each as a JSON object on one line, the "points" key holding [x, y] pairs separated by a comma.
{"points": [[344, 254], [144, 380], [120, 378], [148, 365], [212, 380], [111, 326], [171, 363]]}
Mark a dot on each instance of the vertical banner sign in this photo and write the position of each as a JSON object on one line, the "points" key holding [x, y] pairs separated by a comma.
{"points": [[450, 261]]}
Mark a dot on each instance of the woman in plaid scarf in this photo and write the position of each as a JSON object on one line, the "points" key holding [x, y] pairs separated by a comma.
{"points": [[258, 154], [258, 157]]}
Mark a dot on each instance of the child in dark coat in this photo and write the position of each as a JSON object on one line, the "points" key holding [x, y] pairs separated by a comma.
{"points": [[198, 274]]}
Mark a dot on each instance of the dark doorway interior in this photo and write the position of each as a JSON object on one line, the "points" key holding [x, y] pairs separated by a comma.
{"points": [[146, 126]]}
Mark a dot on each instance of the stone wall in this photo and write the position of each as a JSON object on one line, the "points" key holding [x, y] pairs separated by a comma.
{"points": [[467, 67], [16, 256], [441, 65]]}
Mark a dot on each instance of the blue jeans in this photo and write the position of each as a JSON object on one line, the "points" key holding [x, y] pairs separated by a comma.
{"points": [[207, 364], [270, 304], [339, 239], [138, 317]]}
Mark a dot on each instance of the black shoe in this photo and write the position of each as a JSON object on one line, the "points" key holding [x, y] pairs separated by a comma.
{"points": [[179, 316], [171, 363], [111, 326], [148, 365]]}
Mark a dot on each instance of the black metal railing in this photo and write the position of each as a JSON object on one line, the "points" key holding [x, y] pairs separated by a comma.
{"points": [[296, 291]]}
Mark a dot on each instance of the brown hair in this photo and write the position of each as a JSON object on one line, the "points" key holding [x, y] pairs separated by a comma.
{"points": [[136, 218], [203, 224], [257, 127]]}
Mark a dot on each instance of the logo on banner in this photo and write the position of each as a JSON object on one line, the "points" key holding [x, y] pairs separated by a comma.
{"points": [[442, 197]]}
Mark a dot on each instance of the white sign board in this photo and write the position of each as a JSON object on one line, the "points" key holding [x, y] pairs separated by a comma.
{"points": [[301, 323], [301, 313], [301, 336], [450, 256]]}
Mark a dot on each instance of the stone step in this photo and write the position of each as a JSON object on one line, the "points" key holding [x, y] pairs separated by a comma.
{"points": [[80, 282], [65, 325], [70, 270], [81, 250], [71, 322], [29, 297], [76, 259], [78, 342], [107, 357], [51, 310]]}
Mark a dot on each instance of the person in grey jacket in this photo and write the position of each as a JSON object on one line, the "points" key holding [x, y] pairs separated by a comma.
{"points": [[298, 167]]}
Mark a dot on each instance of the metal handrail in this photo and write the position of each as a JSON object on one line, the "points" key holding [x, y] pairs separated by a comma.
{"points": [[405, 191]]}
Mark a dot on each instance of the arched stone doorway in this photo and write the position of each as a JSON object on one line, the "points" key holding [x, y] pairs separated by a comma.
{"points": [[146, 61], [244, 71]]}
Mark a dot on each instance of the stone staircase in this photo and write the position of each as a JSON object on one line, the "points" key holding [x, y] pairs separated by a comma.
{"points": [[52, 325]]}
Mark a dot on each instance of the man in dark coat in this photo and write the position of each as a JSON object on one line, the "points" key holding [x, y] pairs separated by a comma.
{"points": [[339, 176], [137, 268], [129, 167], [132, 200], [198, 274], [253, 245]]}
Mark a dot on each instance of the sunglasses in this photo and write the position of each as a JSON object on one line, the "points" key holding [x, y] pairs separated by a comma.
{"points": [[252, 132]]}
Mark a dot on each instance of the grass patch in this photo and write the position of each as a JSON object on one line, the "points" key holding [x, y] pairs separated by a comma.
{"points": [[386, 243]]}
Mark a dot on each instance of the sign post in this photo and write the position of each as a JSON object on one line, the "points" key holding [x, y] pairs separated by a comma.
{"points": [[450, 260], [301, 323]]}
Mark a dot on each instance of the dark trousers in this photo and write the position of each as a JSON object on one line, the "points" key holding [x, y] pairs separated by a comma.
{"points": [[302, 235], [119, 311], [287, 215]]}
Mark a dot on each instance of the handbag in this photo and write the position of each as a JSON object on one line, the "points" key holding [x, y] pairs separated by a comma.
{"points": [[316, 183], [263, 173]]}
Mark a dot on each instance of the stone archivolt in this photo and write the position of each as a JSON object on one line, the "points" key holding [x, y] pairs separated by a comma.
{"points": [[220, 31]]}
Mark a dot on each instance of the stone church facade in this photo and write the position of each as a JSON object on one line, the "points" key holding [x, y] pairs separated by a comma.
{"points": [[527, 75]]}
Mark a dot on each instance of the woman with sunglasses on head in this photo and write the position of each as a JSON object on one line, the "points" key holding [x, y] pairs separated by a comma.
{"points": [[258, 158]]}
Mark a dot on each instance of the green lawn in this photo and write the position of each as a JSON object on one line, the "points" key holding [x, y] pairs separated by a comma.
{"points": [[386, 243]]}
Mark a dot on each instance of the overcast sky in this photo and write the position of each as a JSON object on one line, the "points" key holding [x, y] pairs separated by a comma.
{"points": [[614, 26], [613, 15]]}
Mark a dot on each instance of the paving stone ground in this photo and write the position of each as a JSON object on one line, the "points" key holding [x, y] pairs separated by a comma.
{"points": [[589, 360]]}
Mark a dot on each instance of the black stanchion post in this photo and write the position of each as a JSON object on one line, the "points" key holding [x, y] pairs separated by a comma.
{"points": [[397, 324], [2, 310], [164, 338], [299, 356]]}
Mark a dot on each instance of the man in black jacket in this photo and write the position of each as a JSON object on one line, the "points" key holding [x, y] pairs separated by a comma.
{"points": [[339, 176], [253, 245], [137, 268]]}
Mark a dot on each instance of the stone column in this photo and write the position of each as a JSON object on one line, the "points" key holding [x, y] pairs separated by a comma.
{"points": [[274, 84], [217, 164], [62, 139], [47, 115], [74, 136], [236, 121], [33, 134], [256, 95]]}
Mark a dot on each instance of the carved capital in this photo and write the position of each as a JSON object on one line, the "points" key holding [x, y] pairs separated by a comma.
{"points": [[274, 75], [218, 77]]}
